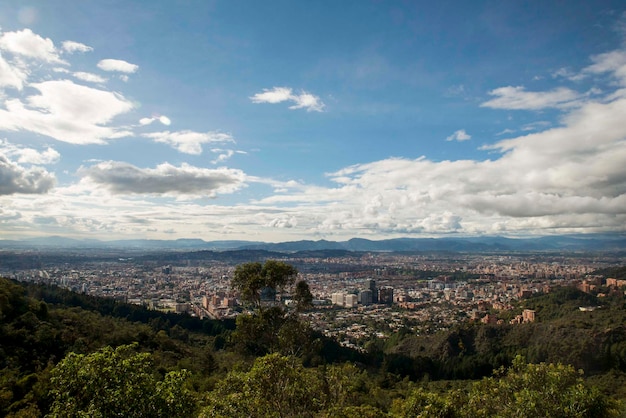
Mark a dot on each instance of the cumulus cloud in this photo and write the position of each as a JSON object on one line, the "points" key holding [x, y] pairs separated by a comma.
{"points": [[16, 179], [67, 112], [568, 178], [165, 179], [459, 135], [517, 98], [29, 155], [283, 222], [303, 100], [27, 44], [189, 142], [72, 47], [120, 66]]}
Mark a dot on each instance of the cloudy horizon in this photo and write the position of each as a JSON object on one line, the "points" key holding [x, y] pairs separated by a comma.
{"points": [[380, 121]]}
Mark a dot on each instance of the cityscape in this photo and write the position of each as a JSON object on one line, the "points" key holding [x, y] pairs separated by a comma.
{"points": [[357, 296]]}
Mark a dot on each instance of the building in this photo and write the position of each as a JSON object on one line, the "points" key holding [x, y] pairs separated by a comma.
{"points": [[370, 284], [365, 297], [385, 295], [350, 301], [338, 299], [528, 315]]}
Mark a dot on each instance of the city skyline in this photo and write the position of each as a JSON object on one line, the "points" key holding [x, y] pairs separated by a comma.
{"points": [[280, 121]]}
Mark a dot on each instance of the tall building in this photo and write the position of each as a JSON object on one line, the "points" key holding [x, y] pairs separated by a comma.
{"points": [[365, 297], [370, 284], [385, 295], [350, 301]]}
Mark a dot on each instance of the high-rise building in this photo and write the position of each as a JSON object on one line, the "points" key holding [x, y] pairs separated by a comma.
{"points": [[385, 295], [370, 284], [365, 297]]}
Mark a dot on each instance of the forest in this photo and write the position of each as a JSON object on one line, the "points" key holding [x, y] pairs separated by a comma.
{"points": [[64, 354]]}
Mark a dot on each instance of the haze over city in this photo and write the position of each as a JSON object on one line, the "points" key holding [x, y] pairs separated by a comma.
{"points": [[278, 120]]}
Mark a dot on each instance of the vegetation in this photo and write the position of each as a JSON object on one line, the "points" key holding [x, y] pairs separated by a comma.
{"points": [[64, 354], [117, 382]]}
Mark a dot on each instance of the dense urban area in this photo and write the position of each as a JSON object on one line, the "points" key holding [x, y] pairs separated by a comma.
{"points": [[358, 296]]}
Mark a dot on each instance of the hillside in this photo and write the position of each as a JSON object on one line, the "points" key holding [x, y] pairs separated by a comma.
{"points": [[46, 331]]}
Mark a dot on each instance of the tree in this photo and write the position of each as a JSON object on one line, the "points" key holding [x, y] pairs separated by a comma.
{"points": [[522, 391], [276, 386], [117, 383], [250, 279], [302, 296], [532, 390]]}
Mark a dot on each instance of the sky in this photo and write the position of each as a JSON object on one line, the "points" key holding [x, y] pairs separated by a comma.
{"points": [[287, 120]]}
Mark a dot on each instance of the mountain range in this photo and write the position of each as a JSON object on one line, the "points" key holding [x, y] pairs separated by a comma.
{"points": [[594, 242]]}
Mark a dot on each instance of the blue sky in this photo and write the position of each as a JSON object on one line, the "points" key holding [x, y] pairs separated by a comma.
{"points": [[287, 120]]}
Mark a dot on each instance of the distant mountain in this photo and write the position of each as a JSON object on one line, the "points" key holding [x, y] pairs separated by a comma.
{"points": [[595, 242]]}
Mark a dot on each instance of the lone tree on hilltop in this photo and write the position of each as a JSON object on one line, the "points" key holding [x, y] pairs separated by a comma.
{"points": [[251, 279]]}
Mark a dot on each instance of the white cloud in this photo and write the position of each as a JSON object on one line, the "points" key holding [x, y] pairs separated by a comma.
{"points": [[303, 100], [275, 95], [565, 179], [117, 66], [90, 77], [541, 124], [11, 76], [28, 44], [307, 101], [29, 155], [163, 119], [67, 112], [72, 47], [517, 98], [459, 135], [16, 179], [165, 179], [505, 132], [283, 222], [223, 155], [610, 62], [189, 142]]}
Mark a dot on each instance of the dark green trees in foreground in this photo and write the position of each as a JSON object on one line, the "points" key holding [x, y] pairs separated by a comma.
{"points": [[278, 386], [121, 383], [118, 383]]}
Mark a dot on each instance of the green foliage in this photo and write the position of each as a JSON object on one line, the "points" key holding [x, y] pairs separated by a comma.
{"points": [[276, 386], [362, 411], [532, 390], [423, 404], [303, 296], [560, 302], [522, 391], [272, 330], [117, 382], [34, 335], [251, 278], [12, 301], [109, 307]]}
